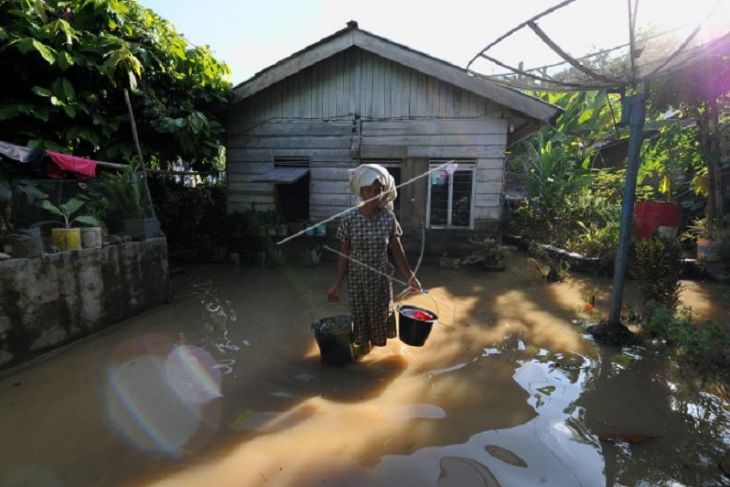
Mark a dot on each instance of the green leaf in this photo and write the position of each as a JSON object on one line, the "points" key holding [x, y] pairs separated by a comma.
{"points": [[51, 208], [45, 144], [8, 111], [32, 192], [3, 34], [57, 89], [89, 136], [70, 110], [68, 89], [73, 205], [40, 10], [61, 28], [28, 43], [585, 116], [41, 91], [64, 60], [41, 113], [44, 51], [87, 220]]}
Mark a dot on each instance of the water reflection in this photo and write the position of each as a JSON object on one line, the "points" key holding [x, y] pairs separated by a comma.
{"points": [[217, 317], [669, 429], [507, 456], [539, 438], [456, 471], [227, 389]]}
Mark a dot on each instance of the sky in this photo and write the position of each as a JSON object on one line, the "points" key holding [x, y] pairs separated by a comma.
{"points": [[250, 35]]}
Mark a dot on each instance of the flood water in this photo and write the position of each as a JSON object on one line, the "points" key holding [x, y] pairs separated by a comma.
{"points": [[225, 387]]}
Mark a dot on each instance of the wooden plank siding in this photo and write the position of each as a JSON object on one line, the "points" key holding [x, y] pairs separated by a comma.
{"points": [[404, 114]]}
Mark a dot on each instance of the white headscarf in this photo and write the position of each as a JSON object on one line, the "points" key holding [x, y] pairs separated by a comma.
{"points": [[366, 175]]}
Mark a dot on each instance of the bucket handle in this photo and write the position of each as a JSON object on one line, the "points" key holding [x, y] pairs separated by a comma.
{"points": [[410, 290], [330, 306]]}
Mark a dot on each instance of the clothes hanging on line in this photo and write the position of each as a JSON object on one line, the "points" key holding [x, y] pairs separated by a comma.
{"points": [[19, 153], [60, 164]]}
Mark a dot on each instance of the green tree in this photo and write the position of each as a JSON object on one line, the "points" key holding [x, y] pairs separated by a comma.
{"points": [[702, 93], [66, 64]]}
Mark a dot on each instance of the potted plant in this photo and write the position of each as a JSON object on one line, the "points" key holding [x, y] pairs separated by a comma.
{"points": [[92, 237], [709, 240], [19, 242], [69, 237], [127, 203]]}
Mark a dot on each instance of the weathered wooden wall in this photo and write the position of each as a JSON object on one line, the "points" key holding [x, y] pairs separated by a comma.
{"points": [[404, 115]]}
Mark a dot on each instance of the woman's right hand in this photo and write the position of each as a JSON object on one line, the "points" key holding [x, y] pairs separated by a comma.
{"points": [[333, 293]]}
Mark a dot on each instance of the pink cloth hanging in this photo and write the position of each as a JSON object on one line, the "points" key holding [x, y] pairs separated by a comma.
{"points": [[60, 164]]}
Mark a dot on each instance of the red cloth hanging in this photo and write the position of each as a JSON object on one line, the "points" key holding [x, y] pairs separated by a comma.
{"points": [[60, 164]]}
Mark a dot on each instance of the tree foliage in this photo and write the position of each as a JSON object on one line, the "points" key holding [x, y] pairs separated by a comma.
{"points": [[702, 92], [573, 200], [66, 64]]}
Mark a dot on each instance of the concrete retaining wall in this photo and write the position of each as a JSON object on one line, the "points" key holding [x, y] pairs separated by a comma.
{"points": [[57, 298]]}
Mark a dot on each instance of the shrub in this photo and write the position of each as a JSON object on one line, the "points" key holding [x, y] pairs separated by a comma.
{"points": [[701, 340], [657, 264]]}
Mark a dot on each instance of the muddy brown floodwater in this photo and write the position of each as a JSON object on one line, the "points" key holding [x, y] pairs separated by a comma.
{"points": [[224, 387]]}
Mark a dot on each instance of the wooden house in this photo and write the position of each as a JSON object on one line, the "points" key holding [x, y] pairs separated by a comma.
{"points": [[295, 129]]}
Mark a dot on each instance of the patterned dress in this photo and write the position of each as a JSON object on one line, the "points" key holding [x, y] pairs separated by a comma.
{"points": [[371, 294]]}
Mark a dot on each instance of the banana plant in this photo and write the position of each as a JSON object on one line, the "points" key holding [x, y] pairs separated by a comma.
{"points": [[67, 211]]}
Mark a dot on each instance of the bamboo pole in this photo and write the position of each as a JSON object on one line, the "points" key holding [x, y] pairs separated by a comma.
{"points": [[151, 207]]}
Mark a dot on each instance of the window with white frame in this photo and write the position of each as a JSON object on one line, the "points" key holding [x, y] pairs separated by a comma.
{"points": [[451, 194]]}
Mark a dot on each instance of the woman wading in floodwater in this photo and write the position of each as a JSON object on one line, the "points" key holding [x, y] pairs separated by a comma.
{"points": [[367, 233]]}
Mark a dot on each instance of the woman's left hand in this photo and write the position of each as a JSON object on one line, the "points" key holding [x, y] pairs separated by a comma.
{"points": [[414, 283]]}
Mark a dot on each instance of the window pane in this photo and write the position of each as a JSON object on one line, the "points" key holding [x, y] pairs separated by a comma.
{"points": [[461, 206], [439, 181]]}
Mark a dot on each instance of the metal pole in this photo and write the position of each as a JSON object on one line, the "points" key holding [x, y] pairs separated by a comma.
{"points": [[636, 106]]}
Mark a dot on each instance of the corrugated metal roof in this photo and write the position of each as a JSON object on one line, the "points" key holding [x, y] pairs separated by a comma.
{"points": [[282, 175]]}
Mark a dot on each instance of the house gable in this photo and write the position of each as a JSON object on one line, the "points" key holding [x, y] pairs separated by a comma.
{"points": [[357, 82], [403, 56]]}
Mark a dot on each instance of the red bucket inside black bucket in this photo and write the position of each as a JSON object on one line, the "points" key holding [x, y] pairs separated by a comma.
{"points": [[414, 324]]}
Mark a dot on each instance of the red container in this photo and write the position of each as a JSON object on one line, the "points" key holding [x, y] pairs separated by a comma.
{"points": [[650, 215]]}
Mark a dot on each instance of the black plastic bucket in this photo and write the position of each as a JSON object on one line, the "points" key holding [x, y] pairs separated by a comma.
{"points": [[414, 324], [334, 339]]}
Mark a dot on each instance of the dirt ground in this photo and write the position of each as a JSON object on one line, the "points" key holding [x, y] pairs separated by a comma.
{"points": [[225, 387]]}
